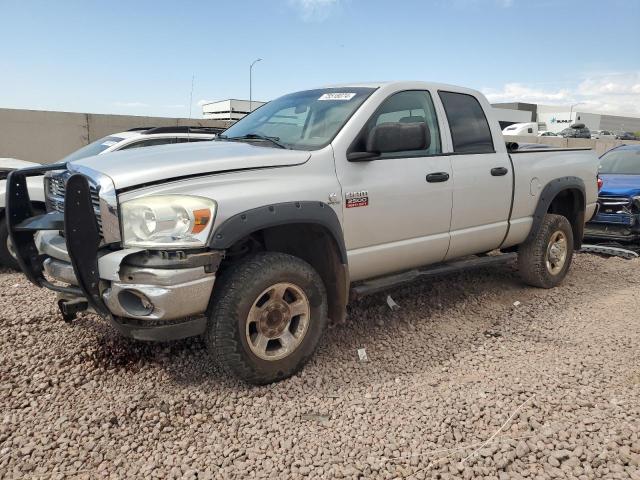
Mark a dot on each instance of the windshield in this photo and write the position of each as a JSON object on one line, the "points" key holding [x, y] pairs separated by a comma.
{"points": [[304, 120], [94, 148], [621, 162]]}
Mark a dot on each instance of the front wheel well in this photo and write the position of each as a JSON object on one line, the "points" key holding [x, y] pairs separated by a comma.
{"points": [[570, 204], [310, 242]]}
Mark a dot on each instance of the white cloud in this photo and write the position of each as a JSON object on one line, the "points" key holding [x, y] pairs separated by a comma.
{"points": [[615, 93], [131, 104], [315, 10], [523, 93]]}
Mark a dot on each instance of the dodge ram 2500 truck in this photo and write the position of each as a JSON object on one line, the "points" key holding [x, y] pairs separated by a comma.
{"points": [[256, 239]]}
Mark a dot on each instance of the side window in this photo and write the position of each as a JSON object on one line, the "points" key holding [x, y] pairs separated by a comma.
{"points": [[414, 106], [151, 142], [468, 124]]}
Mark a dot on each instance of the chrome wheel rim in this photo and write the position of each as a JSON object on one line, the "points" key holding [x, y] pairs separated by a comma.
{"points": [[556, 252], [11, 249], [278, 321]]}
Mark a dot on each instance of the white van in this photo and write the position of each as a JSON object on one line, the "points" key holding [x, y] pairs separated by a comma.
{"points": [[529, 129]]}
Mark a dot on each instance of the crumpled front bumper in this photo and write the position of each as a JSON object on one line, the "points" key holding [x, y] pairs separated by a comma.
{"points": [[144, 303], [171, 293], [146, 295]]}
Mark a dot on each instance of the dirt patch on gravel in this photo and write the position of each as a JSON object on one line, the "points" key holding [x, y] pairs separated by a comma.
{"points": [[460, 383]]}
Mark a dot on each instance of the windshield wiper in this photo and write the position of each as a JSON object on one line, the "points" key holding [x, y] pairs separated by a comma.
{"points": [[256, 136]]}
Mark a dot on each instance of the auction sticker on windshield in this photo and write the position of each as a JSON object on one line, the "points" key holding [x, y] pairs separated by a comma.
{"points": [[337, 96]]}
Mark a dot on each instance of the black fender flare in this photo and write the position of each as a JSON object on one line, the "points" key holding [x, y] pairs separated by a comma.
{"points": [[549, 192], [245, 223]]}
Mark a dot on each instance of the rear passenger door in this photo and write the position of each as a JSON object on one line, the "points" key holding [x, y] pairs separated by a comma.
{"points": [[482, 179]]}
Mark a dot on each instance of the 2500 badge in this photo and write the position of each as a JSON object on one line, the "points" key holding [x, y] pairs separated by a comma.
{"points": [[357, 199]]}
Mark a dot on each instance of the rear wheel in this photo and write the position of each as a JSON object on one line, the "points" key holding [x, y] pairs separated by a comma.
{"points": [[268, 314], [543, 261]]}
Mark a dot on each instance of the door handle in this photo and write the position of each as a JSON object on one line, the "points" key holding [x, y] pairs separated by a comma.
{"points": [[499, 171], [437, 177]]}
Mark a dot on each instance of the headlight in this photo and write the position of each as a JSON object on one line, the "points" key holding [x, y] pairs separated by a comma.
{"points": [[167, 221], [636, 202]]}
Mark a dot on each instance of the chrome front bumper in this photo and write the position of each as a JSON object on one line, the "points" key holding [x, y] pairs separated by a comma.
{"points": [[141, 293], [154, 294]]}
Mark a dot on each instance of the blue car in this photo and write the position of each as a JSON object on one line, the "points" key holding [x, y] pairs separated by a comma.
{"points": [[618, 217]]}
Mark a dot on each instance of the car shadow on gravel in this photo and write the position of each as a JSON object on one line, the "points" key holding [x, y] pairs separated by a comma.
{"points": [[430, 305], [467, 303], [186, 362]]}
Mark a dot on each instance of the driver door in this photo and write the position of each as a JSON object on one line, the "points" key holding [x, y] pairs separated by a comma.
{"points": [[397, 206]]}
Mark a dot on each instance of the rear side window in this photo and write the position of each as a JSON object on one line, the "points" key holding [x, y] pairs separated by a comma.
{"points": [[469, 127]]}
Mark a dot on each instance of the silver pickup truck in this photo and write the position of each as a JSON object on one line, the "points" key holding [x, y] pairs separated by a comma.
{"points": [[257, 239]]}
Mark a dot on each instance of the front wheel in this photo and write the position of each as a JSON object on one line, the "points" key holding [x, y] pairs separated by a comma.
{"points": [[543, 261], [268, 315]]}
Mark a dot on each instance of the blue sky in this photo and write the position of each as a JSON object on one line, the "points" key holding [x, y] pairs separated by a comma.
{"points": [[138, 57]]}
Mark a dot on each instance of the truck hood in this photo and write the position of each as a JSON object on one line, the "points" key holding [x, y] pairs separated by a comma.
{"points": [[138, 166], [620, 185], [14, 164]]}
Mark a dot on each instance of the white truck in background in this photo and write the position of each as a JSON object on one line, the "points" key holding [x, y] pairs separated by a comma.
{"points": [[528, 129], [257, 239]]}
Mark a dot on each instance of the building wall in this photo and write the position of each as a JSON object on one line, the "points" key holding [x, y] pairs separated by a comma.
{"points": [[46, 137], [231, 109], [615, 123], [525, 107], [508, 117]]}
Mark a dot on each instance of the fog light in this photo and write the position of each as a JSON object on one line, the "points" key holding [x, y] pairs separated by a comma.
{"points": [[134, 302]]}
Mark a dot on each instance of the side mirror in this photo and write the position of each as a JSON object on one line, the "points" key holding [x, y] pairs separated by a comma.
{"points": [[398, 137], [393, 137], [361, 156]]}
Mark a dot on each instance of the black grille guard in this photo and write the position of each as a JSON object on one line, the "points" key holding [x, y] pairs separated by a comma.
{"points": [[80, 230]]}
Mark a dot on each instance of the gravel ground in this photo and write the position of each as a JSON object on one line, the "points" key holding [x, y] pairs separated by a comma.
{"points": [[462, 382]]}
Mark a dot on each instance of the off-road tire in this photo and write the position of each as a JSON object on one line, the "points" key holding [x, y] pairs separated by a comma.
{"points": [[234, 295], [533, 254]]}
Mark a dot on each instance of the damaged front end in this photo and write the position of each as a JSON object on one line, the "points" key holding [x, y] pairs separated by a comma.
{"points": [[617, 220], [76, 250]]}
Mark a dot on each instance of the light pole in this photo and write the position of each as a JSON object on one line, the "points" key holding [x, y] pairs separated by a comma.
{"points": [[251, 83]]}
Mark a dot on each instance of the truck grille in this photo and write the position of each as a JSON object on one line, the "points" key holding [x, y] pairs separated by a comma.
{"points": [[55, 187]]}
